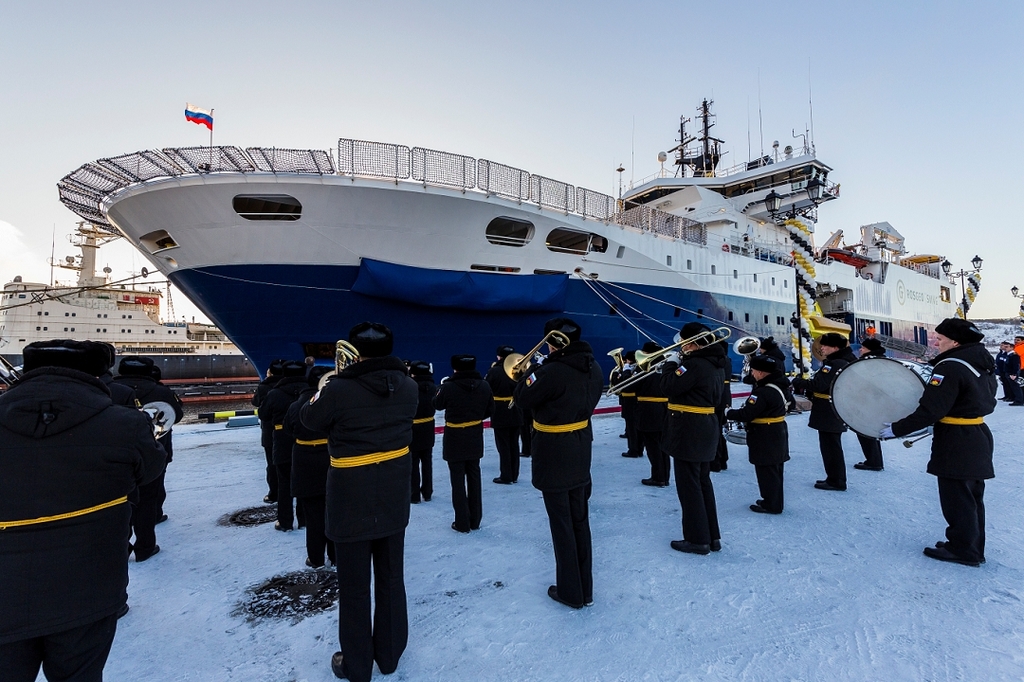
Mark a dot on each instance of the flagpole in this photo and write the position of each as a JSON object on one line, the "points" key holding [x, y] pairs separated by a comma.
{"points": [[211, 138]]}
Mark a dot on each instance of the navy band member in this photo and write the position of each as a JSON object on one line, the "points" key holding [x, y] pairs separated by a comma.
{"points": [[423, 433], [310, 463], [649, 421], [69, 457], [562, 393], [956, 399], [694, 388], [466, 401], [367, 410], [507, 420], [274, 409], [627, 403], [823, 418], [267, 427], [139, 374], [872, 447], [764, 416]]}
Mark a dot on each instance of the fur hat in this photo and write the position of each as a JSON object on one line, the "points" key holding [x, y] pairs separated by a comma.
{"points": [[371, 339], [135, 366], [293, 368], [768, 343], [155, 373], [504, 351], [564, 325], [873, 345], [961, 331], [90, 357], [833, 340], [650, 347], [765, 363], [275, 368], [629, 356], [420, 368], [464, 363], [316, 372], [692, 329]]}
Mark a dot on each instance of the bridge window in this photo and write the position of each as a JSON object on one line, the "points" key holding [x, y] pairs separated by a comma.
{"points": [[267, 207], [509, 232]]}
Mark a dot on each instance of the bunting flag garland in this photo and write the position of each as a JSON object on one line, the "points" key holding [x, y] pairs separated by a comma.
{"points": [[803, 263], [971, 293]]}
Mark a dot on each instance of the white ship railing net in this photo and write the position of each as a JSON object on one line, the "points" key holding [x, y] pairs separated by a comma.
{"points": [[85, 188]]}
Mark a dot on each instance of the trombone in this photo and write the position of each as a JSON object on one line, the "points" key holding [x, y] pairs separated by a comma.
{"points": [[345, 354], [647, 363], [515, 364]]}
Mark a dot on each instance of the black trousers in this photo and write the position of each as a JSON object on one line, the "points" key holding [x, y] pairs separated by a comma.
{"points": [[769, 483], [872, 451], [1016, 391], [146, 513], [422, 474], [659, 459], [963, 506], [271, 473], [697, 498], [315, 509], [831, 445], [634, 443], [466, 494], [76, 655], [383, 638], [569, 518], [506, 440], [285, 515]]}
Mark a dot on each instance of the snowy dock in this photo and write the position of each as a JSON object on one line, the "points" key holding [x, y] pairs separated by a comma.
{"points": [[834, 588]]}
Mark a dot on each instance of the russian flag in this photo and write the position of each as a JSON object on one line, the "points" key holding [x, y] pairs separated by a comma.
{"points": [[200, 116]]}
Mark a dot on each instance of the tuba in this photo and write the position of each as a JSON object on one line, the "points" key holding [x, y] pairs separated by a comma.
{"points": [[515, 364], [620, 364], [746, 346], [647, 363], [162, 416], [345, 354]]}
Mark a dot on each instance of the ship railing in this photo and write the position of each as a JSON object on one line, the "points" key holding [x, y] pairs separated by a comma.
{"points": [[646, 219], [929, 269]]}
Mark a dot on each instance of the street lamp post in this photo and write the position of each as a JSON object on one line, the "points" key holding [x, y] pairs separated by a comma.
{"points": [[946, 270], [1014, 291]]}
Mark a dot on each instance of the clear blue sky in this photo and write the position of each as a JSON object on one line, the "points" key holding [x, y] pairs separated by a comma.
{"points": [[917, 105]]}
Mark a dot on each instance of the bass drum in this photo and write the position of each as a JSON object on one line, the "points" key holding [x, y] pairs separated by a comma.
{"points": [[872, 392]]}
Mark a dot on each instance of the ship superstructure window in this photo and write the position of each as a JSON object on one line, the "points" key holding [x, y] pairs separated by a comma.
{"points": [[505, 231], [565, 240], [668, 261], [267, 207], [620, 251], [714, 270], [755, 276]]}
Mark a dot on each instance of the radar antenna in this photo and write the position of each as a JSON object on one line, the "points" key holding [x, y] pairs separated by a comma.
{"points": [[702, 162]]}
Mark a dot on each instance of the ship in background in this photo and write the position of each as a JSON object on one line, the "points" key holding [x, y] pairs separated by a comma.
{"points": [[123, 315], [286, 249]]}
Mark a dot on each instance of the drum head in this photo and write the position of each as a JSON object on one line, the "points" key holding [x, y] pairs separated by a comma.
{"points": [[869, 393]]}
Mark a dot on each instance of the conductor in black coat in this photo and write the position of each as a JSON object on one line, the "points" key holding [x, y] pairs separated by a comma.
{"points": [[507, 420], [960, 393], [423, 433], [69, 457], [310, 464], [872, 447], [823, 417], [562, 393], [274, 409], [137, 373], [466, 400], [764, 415], [694, 388], [267, 427], [367, 411]]}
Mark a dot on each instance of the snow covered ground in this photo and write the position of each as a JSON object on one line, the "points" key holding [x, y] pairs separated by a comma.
{"points": [[836, 588]]}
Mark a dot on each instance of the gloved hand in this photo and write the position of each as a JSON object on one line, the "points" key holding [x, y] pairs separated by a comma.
{"points": [[886, 432]]}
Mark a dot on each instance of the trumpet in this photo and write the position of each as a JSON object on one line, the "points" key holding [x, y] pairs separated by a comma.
{"points": [[345, 354], [515, 364], [647, 363]]}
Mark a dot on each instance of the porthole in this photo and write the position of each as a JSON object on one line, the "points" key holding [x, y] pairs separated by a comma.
{"points": [[565, 240], [505, 231], [267, 207]]}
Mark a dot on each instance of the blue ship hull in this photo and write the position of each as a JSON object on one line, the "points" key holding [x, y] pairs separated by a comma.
{"points": [[284, 311]]}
